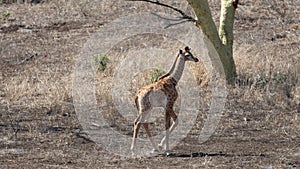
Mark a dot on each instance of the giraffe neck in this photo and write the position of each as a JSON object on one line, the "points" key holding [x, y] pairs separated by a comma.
{"points": [[171, 69], [173, 66], [178, 69]]}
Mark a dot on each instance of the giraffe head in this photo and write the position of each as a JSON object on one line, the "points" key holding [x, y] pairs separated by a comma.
{"points": [[188, 56]]}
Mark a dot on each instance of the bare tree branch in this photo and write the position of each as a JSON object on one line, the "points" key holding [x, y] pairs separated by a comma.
{"points": [[170, 25], [184, 16], [180, 21], [163, 17]]}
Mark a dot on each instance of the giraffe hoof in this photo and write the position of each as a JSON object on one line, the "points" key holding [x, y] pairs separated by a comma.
{"points": [[168, 153], [132, 152]]}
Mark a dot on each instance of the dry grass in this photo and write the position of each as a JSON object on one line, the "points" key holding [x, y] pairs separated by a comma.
{"points": [[38, 125]]}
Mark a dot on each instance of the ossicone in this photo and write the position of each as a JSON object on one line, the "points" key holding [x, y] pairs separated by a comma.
{"points": [[187, 49]]}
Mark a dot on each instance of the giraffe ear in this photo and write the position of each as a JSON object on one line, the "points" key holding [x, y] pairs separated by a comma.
{"points": [[187, 49], [180, 51]]}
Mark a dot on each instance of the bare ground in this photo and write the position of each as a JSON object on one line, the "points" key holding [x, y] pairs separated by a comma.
{"points": [[38, 124]]}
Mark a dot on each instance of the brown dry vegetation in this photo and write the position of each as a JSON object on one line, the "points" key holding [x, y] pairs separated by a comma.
{"points": [[260, 126]]}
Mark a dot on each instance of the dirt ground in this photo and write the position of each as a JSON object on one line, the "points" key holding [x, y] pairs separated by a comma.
{"points": [[259, 128]]}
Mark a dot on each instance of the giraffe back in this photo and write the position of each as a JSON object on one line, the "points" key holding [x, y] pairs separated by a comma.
{"points": [[159, 94]]}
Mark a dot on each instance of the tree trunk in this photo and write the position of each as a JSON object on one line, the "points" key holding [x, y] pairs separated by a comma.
{"points": [[222, 39]]}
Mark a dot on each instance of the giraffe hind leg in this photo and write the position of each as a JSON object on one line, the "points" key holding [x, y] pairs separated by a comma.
{"points": [[146, 127], [136, 127], [143, 115]]}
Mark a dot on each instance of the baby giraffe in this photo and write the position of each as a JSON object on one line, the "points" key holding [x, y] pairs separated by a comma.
{"points": [[162, 93]]}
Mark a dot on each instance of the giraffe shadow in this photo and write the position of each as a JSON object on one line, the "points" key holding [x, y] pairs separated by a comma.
{"points": [[200, 154]]}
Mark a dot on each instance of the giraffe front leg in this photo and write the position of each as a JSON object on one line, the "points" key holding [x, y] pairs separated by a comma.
{"points": [[175, 123], [167, 125]]}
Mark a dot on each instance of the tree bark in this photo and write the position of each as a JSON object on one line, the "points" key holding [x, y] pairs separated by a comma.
{"points": [[222, 39]]}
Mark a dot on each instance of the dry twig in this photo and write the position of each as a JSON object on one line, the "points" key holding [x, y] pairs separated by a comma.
{"points": [[184, 16]]}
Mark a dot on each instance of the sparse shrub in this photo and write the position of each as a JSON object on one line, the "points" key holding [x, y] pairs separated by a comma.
{"points": [[6, 14], [101, 61], [155, 73], [273, 77], [263, 79], [278, 77]]}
